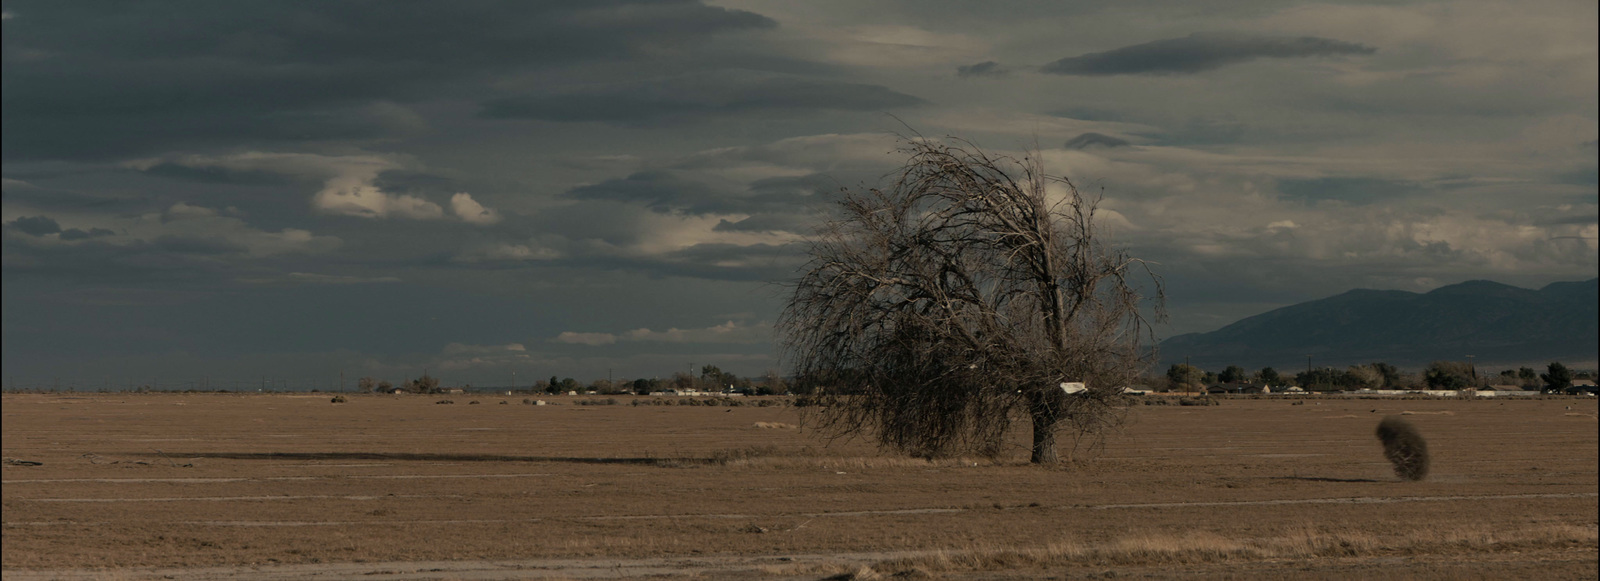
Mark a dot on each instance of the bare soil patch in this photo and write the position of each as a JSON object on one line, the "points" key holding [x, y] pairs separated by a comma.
{"points": [[127, 486]]}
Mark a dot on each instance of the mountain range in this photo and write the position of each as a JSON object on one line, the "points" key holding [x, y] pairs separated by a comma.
{"points": [[1495, 324]]}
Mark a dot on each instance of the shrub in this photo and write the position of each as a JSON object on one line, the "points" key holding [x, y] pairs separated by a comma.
{"points": [[1404, 447]]}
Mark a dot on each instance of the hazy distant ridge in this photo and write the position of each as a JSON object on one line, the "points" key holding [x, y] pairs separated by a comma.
{"points": [[1499, 324]]}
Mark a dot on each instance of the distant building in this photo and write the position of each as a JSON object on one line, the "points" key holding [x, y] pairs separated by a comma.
{"points": [[1505, 387], [1236, 387], [1582, 387]]}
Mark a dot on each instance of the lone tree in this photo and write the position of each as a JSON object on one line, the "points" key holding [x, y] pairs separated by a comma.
{"points": [[934, 313], [1185, 376], [1558, 377]]}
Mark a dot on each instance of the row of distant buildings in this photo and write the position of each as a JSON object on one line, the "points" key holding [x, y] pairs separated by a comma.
{"points": [[1578, 387]]}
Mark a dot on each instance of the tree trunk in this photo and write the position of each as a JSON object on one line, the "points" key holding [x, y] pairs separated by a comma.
{"points": [[1044, 436]]}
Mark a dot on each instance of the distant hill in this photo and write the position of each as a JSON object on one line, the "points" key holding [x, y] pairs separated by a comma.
{"points": [[1497, 323]]}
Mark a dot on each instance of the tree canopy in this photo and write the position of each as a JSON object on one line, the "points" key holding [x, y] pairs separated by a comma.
{"points": [[933, 311]]}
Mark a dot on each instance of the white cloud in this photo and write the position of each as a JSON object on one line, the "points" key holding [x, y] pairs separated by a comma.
{"points": [[729, 332], [183, 211], [314, 278], [726, 333], [898, 46], [347, 188], [470, 211], [460, 348], [591, 339], [509, 252], [463, 356], [353, 194], [189, 226]]}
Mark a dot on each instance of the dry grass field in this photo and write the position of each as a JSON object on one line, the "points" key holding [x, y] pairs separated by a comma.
{"points": [[132, 486]]}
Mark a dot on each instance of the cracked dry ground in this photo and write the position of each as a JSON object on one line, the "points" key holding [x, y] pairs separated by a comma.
{"points": [[206, 486]]}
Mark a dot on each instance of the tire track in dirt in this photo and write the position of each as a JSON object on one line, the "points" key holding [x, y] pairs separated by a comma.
{"points": [[1347, 500], [839, 514], [267, 478], [711, 567], [242, 498], [810, 566]]}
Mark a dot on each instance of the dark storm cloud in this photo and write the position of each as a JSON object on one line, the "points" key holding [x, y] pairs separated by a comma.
{"points": [[728, 262], [35, 225], [99, 262], [1589, 176], [1356, 191], [197, 245], [1092, 140], [667, 191], [1092, 114], [659, 190], [799, 223], [1199, 52], [983, 69], [218, 174], [1203, 131], [74, 234], [695, 95], [1565, 220], [90, 79], [77, 199]]}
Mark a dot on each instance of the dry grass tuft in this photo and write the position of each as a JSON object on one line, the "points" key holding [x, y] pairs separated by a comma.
{"points": [[808, 458], [1404, 447], [776, 426], [1198, 546], [1439, 413]]}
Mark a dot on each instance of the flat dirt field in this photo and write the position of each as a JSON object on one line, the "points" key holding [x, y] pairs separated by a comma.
{"points": [[187, 486]]}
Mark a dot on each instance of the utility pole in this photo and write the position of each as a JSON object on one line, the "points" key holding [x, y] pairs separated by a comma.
{"points": [[1188, 370]]}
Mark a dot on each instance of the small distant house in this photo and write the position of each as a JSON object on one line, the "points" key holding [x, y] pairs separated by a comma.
{"points": [[1235, 387], [1505, 387], [1582, 387]]}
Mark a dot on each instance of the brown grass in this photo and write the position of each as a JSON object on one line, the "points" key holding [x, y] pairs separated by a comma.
{"points": [[294, 480], [1201, 546]]}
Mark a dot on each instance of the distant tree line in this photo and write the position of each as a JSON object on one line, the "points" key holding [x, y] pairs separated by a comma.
{"points": [[1439, 375], [710, 379]]}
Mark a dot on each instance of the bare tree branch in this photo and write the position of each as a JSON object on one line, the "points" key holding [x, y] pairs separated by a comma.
{"points": [[934, 313]]}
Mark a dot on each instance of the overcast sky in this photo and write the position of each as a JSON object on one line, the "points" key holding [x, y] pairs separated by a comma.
{"points": [[246, 189]]}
